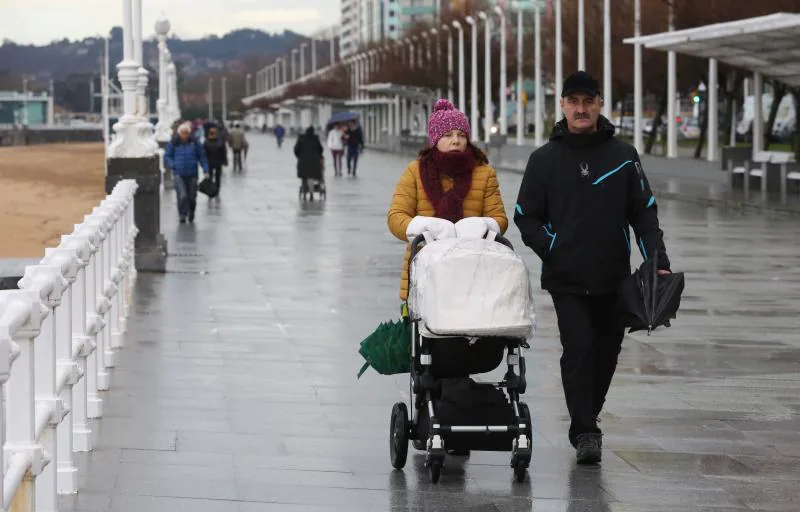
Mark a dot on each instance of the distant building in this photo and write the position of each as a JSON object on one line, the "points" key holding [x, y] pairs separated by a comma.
{"points": [[368, 21], [14, 106]]}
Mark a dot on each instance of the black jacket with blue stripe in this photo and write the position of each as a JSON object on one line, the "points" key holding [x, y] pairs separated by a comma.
{"points": [[579, 195]]}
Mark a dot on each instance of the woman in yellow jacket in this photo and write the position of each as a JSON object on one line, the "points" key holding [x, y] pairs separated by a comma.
{"points": [[450, 180]]}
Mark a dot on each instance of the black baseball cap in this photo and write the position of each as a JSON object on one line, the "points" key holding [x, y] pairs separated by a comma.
{"points": [[580, 81]]}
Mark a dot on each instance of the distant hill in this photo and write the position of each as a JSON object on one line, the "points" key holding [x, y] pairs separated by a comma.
{"points": [[72, 65], [59, 59]]}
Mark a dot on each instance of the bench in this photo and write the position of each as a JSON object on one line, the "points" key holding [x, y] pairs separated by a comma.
{"points": [[779, 159]]}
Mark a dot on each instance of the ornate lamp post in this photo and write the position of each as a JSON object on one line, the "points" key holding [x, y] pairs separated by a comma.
{"points": [[163, 131]]}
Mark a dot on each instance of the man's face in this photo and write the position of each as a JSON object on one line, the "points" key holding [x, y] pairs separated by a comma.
{"points": [[212, 134], [581, 111], [184, 135]]}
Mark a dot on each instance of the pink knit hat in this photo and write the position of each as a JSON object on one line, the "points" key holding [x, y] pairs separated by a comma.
{"points": [[444, 119]]}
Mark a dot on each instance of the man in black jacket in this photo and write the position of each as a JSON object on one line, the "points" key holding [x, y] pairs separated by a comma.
{"points": [[580, 193]]}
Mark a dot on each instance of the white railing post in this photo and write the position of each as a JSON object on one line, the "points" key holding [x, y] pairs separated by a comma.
{"points": [[47, 282], [98, 301], [80, 344], [67, 369], [92, 323], [21, 317]]}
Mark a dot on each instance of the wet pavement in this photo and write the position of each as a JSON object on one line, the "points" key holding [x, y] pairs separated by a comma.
{"points": [[237, 390]]}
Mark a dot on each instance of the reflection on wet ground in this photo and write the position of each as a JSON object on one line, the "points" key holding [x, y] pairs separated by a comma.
{"points": [[237, 390]]}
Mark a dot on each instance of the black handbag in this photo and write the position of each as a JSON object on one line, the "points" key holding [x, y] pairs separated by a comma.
{"points": [[208, 187]]}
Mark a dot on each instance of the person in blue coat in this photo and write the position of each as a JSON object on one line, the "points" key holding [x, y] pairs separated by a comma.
{"points": [[183, 155]]}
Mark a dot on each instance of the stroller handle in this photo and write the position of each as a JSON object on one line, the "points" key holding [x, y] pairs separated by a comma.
{"points": [[420, 240]]}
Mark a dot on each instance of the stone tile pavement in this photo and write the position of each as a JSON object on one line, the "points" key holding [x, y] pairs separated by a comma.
{"points": [[237, 390]]}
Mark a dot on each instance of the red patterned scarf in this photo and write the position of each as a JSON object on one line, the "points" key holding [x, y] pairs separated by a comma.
{"points": [[457, 165]]}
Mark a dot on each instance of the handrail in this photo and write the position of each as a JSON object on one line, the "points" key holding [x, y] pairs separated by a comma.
{"points": [[58, 338]]}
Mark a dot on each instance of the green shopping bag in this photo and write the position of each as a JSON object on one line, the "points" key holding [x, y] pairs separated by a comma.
{"points": [[388, 348]]}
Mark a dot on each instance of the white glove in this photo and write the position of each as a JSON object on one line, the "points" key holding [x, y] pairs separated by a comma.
{"points": [[476, 227], [438, 228]]}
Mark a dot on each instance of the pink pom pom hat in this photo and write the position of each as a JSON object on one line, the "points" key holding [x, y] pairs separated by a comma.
{"points": [[446, 118]]}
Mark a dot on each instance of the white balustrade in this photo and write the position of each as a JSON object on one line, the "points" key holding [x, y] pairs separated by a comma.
{"points": [[59, 335]]}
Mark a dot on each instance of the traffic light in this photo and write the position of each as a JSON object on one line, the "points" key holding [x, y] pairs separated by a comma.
{"points": [[694, 95]]}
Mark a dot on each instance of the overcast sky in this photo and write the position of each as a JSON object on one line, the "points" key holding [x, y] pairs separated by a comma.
{"points": [[42, 21]]}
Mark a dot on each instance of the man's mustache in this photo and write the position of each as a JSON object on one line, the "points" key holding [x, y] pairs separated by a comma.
{"points": [[581, 116]]}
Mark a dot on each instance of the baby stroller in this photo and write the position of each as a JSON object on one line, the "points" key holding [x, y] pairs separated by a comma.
{"points": [[499, 314], [308, 186]]}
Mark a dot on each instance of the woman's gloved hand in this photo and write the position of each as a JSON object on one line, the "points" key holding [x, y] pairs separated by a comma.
{"points": [[438, 228], [476, 227]]}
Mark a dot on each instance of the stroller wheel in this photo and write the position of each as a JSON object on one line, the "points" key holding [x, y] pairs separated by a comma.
{"points": [[398, 436], [520, 470], [435, 470]]}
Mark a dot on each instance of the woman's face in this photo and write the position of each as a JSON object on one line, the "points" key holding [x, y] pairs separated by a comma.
{"points": [[454, 140]]}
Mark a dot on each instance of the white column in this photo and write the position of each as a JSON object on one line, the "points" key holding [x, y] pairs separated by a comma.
{"points": [[487, 77], [713, 132], [145, 126], [474, 76], [502, 97], [559, 78], [302, 60], [758, 112], [398, 114], [224, 100], [520, 88], [313, 55], [608, 102], [537, 66], [163, 131], [638, 138], [51, 117], [175, 110], [672, 132], [462, 100], [105, 92], [581, 37], [129, 142]]}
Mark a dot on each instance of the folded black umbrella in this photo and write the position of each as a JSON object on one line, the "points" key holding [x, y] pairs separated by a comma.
{"points": [[208, 187], [650, 300]]}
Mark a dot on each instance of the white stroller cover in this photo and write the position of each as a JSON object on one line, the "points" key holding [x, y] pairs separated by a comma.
{"points": [[471, 287]]}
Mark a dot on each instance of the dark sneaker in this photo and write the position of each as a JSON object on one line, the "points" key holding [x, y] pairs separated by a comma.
{"points": [[589, 450], [191, 217], [182, 220]]}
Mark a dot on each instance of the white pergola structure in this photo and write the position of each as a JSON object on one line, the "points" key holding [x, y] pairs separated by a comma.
{"points": [[404, 102], [766, 45]]}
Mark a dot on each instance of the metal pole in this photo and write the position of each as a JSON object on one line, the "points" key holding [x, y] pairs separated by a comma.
{"points": [[51, 116], [672, 132], [333, 46], [538, 76], [559, 78], [210, 99], [247, 84], [581, 40], [502, 97], [758, 113], [25, 118], [104, 89], [711, 105], [474, 75], [450, 92], [224, 100], [638, 136], [607, 96], [462, 100], [313, 55], [520, 89], [487, 76], [302, 60]]}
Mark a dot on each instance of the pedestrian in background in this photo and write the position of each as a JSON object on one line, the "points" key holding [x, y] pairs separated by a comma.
{"points": [[579, 194], [217, 155], [237, 141], [184, 155], [336, 147], [355, 145]]}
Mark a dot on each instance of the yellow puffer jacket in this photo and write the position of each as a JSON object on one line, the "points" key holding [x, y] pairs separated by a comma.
{"points": [[409, 200]]}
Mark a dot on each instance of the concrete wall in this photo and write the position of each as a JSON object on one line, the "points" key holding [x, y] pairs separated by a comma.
{"points": [[15, 137]]}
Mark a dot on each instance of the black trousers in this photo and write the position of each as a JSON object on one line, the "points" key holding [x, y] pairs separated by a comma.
{"points": [[237, 159], [216, 173], [591, 337]]}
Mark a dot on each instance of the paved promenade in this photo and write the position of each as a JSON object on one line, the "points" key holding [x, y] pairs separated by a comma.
{"points": [[237, 390]]}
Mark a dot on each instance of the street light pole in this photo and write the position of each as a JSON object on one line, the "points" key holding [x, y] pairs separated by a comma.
{"points": [[247, 84], [210, 99], [581, 40], [450, 92], [503, 72], [303, 59], [520, 89], [559, 78], [224, 100], [638, 139], [163, 128], [607, 96], [487, 76], [462, 100], [313, 55], [538, 76], [474, 75]]}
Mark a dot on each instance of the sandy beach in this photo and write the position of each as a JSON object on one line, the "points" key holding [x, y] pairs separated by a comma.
{"points": [[44, 191]]}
